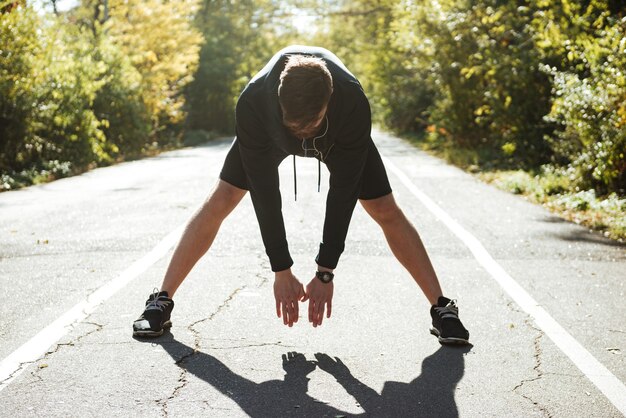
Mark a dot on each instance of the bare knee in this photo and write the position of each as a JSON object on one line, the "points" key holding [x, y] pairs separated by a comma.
{"points": [[227, 193], [222, 200], [383, 209]]}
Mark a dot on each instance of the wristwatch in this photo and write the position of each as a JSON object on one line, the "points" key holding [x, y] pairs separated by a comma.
{"points": [[324, 276]]}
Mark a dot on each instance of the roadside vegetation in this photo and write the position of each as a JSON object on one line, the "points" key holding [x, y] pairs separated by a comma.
{"points": [[112, 80], [604, 214], [546, 186], [528, 94]]}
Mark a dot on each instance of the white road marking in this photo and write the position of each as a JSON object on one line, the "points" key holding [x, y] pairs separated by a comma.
{"points": [[13, 365], [595, 371]]}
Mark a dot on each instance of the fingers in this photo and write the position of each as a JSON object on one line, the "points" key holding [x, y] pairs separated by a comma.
{"points": [[288, 292], [290, 312], [316, 312], [296, 310], [320, 313], [303, 295], [285, 314], [288, 298], [311, 309]]}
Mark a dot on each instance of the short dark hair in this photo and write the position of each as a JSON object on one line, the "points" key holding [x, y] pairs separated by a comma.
{"points": [[305, 88]]}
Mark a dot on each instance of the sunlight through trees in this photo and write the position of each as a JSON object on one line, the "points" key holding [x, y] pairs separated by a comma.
{"points": [[534, 84]]}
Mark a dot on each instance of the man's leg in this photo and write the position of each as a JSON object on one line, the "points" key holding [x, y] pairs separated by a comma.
{"points": [[196, 240], [407, 246], [200, 233], [405, 243]]}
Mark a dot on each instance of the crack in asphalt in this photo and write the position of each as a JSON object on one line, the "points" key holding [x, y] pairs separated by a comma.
{"points": [[182, 379], [73, 342], [19, 368], [48, 353], [537, 368], [513, 306], [36, 376]]}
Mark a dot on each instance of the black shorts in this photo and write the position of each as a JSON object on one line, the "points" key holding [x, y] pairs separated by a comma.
{"points": [[375, 182]]}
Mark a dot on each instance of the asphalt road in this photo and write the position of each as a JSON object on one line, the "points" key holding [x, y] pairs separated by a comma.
{"points": [[227, 353]]}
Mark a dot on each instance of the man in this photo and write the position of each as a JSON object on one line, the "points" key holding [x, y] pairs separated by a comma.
{"points": [[304, 102]]}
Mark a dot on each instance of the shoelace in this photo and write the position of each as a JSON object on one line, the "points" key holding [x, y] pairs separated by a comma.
{"points": [[448, 311], [156, 304]]}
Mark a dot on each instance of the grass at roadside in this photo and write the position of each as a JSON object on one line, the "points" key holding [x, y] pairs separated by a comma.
{"points": [[606, 214]]}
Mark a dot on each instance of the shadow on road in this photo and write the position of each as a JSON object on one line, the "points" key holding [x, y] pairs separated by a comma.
{"points": [[588, 237], [429, 394], [580, 234]]}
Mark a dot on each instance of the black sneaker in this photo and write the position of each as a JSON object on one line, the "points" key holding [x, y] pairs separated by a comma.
{"points": [[156, 317], [447, 326]]}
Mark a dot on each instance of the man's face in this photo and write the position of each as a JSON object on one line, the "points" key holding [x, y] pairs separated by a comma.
{"points": [[308, 130]]}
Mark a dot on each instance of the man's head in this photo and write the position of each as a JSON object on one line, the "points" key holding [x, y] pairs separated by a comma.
{"points": [[304, 93]]}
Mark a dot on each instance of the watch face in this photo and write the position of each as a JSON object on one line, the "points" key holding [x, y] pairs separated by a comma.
{"points": [[325, 276]]}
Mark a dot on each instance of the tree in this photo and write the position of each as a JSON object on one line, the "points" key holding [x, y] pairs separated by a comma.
{"points": [[239, 37]]}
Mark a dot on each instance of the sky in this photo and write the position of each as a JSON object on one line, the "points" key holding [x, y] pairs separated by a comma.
{"points": [[62, 5]]}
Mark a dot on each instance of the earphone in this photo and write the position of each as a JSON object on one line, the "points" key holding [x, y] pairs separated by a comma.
{"points": [[314, 149]]}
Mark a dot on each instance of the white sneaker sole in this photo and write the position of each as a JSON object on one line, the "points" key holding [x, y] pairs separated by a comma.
{"points": [[150, 333], [448, 340]]}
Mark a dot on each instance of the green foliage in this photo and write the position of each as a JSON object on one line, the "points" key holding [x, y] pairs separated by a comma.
{"points": [[87, 88], [158, 38], [197, 137], [553, 190], [67, 87], [590, 109], [239, 38], [19, 49], [489, 83], [48, 83], [119, 105], [485, 65], [496, 83]]}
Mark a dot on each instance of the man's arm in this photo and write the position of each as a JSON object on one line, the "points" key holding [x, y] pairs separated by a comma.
{"points": [[261, 170], [345, 163], [262, 175]]}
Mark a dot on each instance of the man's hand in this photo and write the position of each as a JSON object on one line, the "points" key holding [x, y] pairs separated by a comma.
{"points": [[320, 297], [288, 291]]}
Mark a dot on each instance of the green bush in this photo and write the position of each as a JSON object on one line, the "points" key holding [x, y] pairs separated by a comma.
{"points": [[67, 88], [74, 93], [197, 137], [20, 48], [590, 112], [239, 38], [125, 119], [48, 82], [503, 84], [491, 94]]}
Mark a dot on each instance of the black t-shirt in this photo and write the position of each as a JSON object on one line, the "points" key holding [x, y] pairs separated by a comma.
{"points": [[264, 142]]}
